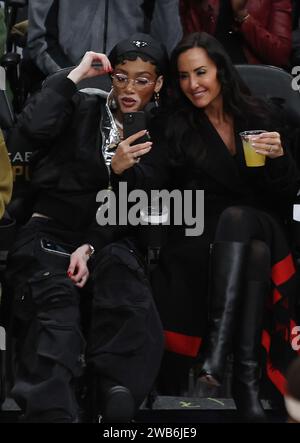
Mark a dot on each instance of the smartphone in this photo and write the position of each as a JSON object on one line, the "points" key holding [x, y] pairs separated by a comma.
{"points": [[134, 122], [56, 248], [97, 65]]}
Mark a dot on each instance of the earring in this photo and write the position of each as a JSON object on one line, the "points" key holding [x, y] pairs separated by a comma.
{"points": [[156, 99], [114, 104]]}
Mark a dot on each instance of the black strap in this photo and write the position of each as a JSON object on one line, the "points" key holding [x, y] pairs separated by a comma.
{"points": [[105, 26], [148, 8]]}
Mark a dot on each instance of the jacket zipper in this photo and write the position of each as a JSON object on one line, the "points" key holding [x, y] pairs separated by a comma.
{"points": [[109, 186]]}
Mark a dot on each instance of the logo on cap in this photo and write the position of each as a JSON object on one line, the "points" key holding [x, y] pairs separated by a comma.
{"points": [[139, 43]]}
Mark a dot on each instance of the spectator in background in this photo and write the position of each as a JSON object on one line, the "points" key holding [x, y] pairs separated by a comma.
{"points": [[250, 31], [295, 61], [2, 32], [61, 32], [295, 13], [292, 396], [6, 179]]}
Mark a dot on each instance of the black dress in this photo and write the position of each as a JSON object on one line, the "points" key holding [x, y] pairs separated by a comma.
{"points": [[181, 280]]}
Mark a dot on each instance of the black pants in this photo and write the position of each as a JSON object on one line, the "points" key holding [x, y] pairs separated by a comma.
{"points": [[126, 338], [50, 344], [125, 343]]}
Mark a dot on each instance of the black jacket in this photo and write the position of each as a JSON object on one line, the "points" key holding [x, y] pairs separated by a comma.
{"points": [[226, 180], [67, 166]]}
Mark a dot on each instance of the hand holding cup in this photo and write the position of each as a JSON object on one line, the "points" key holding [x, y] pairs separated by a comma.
{"points": [[268, 144], [259, 144]]}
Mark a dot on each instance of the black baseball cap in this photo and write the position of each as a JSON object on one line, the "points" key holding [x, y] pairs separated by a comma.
{"points": [[144, 44]]}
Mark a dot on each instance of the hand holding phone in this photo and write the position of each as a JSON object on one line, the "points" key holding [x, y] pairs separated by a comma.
{"points": [[136, 142], [134, 122], [128, 153]]}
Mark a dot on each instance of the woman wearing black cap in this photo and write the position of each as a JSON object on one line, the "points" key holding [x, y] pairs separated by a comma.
{"points": [[79, 150]]}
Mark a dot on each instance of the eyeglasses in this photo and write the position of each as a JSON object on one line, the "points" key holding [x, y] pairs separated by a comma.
{"points": [[122, 81]]}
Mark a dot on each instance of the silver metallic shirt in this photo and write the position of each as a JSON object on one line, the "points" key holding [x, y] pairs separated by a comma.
{"points": [[110, 134]]}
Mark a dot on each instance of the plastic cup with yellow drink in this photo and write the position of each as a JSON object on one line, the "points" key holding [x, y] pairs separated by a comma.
{"points": [[252, 158]]}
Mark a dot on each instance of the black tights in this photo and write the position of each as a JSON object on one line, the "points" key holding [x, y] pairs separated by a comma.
{"points": [[242, 224]]}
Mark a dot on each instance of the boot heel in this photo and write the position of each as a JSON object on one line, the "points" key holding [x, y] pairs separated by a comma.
{"points": [[209, 380], [246, 368]]}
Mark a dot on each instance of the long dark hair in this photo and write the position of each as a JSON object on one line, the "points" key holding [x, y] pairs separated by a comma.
{"points": [[185, 122]]}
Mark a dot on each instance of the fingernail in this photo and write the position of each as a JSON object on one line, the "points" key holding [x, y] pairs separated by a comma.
{"points": [[69, 273]]}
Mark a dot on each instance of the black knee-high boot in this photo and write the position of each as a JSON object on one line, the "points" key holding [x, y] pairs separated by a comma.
{"points": [[228, 260], [246, 368]]}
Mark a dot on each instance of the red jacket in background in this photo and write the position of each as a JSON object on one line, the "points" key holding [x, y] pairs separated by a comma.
{"points": [[267, 32]]}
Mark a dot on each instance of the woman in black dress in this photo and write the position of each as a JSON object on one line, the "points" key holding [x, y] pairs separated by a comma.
{"points": [[252, 274]]}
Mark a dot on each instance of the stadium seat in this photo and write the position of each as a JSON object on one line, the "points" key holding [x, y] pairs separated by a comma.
{"points": [[276, 84], [7, 234]]}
